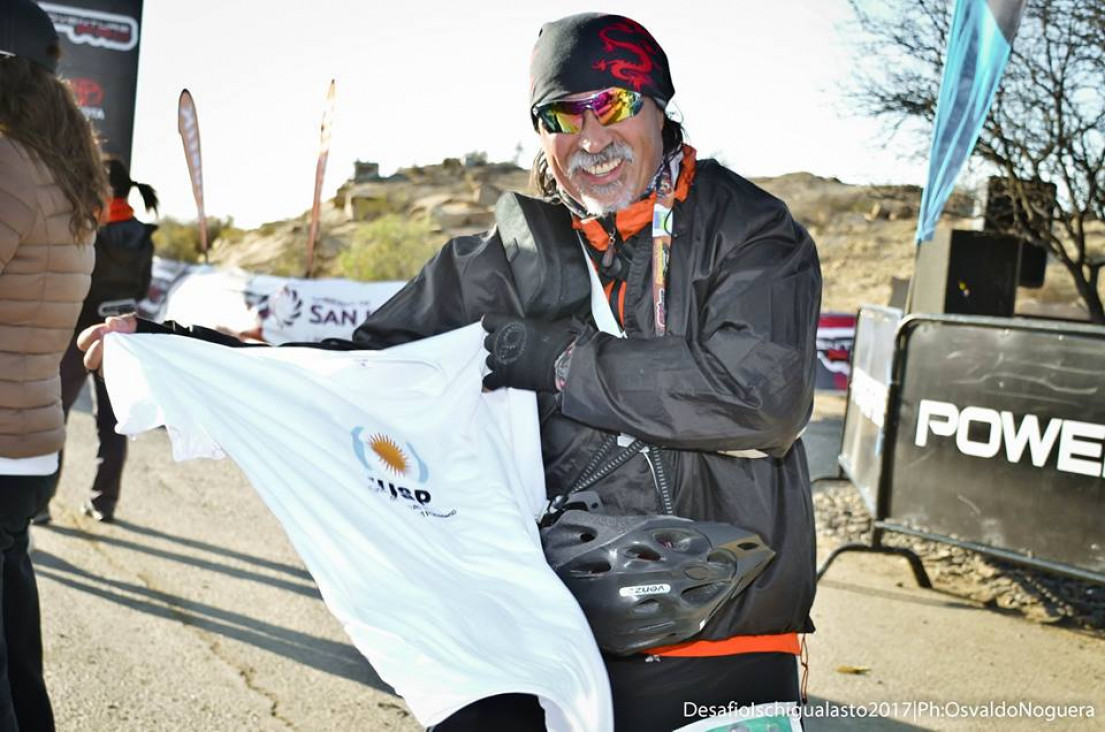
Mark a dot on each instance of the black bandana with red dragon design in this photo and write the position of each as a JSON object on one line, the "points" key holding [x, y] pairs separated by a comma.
{"points": [[593, 51]]}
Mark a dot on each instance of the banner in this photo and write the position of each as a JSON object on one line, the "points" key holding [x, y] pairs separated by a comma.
{"points": [[978, 47], [99, 59], [312, 310], [189, 127], [320, 173], [274, 309], [1000, 436], [861, 448], [165, 273], [835, 334]]}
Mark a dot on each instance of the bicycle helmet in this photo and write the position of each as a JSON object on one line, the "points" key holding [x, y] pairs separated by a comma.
{"points": [[648, 581]]}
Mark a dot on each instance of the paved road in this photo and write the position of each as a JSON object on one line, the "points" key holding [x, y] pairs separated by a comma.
{"points": [[193, 612]]}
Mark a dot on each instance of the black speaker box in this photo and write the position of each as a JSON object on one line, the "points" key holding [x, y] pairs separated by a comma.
{"points": [[967, 273], [1033, 265]]}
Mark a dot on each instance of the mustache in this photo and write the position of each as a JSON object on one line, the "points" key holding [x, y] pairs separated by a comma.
{"points": [[614, 151]]}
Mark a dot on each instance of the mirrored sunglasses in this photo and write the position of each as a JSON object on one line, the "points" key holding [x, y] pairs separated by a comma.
{"points": [[610, 106]]}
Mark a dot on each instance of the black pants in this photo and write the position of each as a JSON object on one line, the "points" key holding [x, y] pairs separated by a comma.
{"points": [[113, 446], [24, 704], [653, 696]]}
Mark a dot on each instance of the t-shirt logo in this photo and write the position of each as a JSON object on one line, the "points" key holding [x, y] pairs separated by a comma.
{"points": [[390, 454], [396, 471]]}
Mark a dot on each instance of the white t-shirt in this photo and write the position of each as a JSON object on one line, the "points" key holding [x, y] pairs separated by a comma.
{"points": [[409, 494]]}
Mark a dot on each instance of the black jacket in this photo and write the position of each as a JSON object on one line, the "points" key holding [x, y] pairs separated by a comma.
{"points": [[124, 262], [735, 372]]}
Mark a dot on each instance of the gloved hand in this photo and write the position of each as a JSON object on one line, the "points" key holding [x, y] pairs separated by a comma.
{"points": [[522, 352]]}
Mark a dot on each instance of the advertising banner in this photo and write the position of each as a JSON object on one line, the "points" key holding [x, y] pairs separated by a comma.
{"points": [[298, 310], [99, 58], [861, 450], [320, 174], [188, 125], [835, 334], [274, 309], [999, 436]]}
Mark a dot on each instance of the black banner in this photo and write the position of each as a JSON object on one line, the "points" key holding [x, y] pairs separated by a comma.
{"points": [[1000, 436], [99, 43], [861, 448]]}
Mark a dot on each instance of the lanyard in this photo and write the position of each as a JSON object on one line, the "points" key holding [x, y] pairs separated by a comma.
{"points": [[663, 223], [663, 219]]}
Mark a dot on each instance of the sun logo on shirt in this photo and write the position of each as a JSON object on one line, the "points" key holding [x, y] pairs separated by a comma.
{"points": [[389, 453]]}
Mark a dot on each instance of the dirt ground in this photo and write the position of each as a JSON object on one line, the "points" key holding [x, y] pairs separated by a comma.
{"points": [[192, 611]]}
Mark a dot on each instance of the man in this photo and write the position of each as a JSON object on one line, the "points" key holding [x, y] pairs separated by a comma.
{"points": [[718, 304]]}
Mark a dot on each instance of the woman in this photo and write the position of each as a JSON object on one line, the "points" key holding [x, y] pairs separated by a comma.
{"points": [[124, 261], [51, 185]]}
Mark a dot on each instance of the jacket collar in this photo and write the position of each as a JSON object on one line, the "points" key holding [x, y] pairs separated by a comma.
{"points": [[117, 210]]}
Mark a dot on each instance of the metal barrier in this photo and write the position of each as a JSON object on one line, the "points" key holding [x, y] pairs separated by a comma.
{"points": [[993, 439]]}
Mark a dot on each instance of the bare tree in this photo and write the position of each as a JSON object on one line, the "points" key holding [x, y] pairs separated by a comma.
{"points": [[1047, 124]]}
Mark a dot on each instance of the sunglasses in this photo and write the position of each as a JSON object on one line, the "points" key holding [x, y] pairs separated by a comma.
{"points": [[610, 106]]}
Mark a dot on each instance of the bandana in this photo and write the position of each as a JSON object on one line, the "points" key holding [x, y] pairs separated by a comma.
{"points": [[593, 51]]}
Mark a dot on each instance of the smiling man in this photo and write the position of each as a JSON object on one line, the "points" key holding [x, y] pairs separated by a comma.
{"points": [[664, 310], [669, 300]]}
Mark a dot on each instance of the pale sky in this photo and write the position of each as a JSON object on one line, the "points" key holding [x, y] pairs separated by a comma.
{"points": [[757, 84]]}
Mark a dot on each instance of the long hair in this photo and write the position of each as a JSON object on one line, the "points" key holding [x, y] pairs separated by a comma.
{"points": [[38, 110], [541, 178], [118, 177]]}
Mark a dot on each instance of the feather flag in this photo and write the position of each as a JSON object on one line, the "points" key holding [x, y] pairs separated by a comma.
{"points": [[979, 46], [189, 127], [320, 172]]}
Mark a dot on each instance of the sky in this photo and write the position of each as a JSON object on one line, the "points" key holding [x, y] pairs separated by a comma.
{"points": [[758, 85]]}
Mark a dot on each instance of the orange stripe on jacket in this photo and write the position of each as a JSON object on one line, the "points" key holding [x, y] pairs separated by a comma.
{"points": [[778, 643]]}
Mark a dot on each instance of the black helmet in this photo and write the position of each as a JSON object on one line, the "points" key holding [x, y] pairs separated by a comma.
{"points": [[648, 581]]}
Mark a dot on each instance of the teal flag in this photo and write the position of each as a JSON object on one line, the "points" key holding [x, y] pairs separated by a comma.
{"points": [[978, 48]]}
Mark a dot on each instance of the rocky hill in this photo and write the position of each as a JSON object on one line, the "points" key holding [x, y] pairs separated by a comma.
{"points": [[864, 233]]}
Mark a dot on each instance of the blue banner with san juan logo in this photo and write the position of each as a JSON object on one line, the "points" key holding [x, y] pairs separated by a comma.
{"points": [[979, 46], [99, 59]]}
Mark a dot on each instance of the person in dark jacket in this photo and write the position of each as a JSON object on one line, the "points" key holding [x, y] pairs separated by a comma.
{"points": [[120, 280], [650, 294]]}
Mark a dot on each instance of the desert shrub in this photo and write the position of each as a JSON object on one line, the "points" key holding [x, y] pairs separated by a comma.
{"points": [[392, 247], [180, 240]]}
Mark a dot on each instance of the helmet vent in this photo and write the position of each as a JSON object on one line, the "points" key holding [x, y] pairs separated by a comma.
{"points": [[679, 541], [586, 536], [590, 569], [721, 556], [646, 608], [748, 545], [640, 551], [704, 593]]}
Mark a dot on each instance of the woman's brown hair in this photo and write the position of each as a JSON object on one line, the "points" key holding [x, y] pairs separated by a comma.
{"points": [[38, 110]]}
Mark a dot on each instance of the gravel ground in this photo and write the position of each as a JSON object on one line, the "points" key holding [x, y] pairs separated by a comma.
{"points": [[1045, 598]]}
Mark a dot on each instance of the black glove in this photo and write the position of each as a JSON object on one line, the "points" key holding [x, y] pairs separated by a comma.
{"points": [[522, 352]]}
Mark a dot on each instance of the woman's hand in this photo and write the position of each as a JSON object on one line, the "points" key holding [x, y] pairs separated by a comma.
{"points": [[91, 339]]}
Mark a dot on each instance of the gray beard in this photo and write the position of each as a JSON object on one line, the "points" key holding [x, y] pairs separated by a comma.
{"points": [[583, 159]]}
